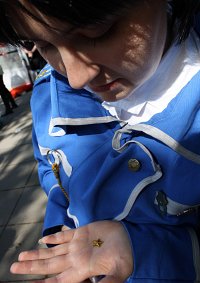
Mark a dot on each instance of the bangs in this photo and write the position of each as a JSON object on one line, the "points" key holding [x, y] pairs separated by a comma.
{"points": [[88, 12], [75, 12], [79, 12]]}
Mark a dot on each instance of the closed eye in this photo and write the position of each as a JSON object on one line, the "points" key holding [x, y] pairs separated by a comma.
{"points": [[97, 31], [95, 35]]}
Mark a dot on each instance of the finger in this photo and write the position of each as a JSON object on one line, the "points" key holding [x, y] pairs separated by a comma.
{"points": [[65, 277], [48, 280], [111, 279], [55, 280], [41, 267], [65, 228], [58, 238], [43, 253]]}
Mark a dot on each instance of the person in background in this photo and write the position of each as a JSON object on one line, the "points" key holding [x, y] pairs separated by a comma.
{"points": [[6, 96], [36, 61], [116, 117]]}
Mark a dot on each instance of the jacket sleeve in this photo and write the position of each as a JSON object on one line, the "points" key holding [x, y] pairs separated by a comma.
{"points": [[56, 208], [163, 253]]}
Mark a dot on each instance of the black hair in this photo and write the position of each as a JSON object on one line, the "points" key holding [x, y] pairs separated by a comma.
{"points": [[77, 12], [81, 13], [184, 14]]}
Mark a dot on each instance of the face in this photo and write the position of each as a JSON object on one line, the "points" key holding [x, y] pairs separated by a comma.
{"points": [[113, 58]]}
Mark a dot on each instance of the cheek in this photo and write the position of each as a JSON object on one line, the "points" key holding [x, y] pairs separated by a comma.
{"points": [[139, 55], [127, 52]]}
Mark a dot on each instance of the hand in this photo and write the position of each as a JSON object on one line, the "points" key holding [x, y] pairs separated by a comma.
{"points": [[75, 259], [65, 228]]}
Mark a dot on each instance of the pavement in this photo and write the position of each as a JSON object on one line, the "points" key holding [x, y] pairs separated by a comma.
{"points": [[22, 201]]}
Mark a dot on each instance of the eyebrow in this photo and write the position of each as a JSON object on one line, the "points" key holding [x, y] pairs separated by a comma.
{"points": [[58, 31]]}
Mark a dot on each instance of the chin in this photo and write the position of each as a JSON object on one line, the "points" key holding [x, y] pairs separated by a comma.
{"points": [[112, 96]]}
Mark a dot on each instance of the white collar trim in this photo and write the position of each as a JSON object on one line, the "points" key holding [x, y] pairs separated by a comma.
{"points": [[176, 69]]}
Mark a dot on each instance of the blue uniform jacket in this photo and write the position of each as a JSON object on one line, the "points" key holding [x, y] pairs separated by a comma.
{"points": [[147, 176]]}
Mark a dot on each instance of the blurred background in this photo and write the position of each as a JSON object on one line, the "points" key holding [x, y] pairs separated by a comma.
{"points": [[22, 202]]}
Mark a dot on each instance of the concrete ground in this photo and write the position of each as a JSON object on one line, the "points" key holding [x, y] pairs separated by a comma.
{"points": [[22, 202]]}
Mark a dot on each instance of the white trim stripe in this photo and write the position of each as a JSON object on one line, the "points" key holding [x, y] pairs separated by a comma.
{"points": [[62, 157], [166, 139], [135, 193], [60, 121]]}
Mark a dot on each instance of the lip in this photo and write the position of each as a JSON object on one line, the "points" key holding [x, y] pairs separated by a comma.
{"points": [[106, 87]]}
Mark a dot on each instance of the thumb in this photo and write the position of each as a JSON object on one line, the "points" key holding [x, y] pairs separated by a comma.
{"points": [[111, 279]]}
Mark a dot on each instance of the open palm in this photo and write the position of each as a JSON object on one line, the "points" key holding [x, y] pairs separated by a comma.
{"points": [[75, 259]]}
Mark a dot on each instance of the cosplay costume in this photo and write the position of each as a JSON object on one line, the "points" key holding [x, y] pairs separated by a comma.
{"points": [[145, 175]]}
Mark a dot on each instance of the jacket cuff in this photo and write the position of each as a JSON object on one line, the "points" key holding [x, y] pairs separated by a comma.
{"points": [[161, 253]]}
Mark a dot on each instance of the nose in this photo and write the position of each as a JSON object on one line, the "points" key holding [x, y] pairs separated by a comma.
{"points": [[80, 70]]}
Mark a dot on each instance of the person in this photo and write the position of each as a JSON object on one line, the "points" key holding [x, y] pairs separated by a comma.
{"points": [[142, 59], [36, 61], [6, 96]]}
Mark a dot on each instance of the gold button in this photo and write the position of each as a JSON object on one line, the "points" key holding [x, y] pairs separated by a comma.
{"points": [[134, 165]]}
